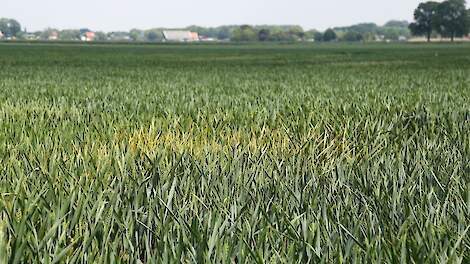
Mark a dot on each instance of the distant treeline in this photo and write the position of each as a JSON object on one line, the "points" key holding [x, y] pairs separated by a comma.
{"points": [[393, 30]]}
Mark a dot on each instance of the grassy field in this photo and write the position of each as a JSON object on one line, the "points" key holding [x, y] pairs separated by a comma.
{"points": [[234, 153]]}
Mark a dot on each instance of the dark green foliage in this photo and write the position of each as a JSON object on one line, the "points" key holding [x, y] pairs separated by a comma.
{"points": [[263, 35], [451, 19], [154, 36], [424, 16], [352, 36], [244, 33], [329, 35], [318, 36]]}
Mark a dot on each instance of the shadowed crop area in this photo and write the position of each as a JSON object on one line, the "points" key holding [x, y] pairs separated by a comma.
{"points": [[234, 153]]}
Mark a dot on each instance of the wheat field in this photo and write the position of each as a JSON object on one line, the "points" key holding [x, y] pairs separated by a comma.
{"points": [[235, 153]]}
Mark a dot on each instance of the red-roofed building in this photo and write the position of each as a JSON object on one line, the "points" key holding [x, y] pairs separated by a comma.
{"points": [[194, 36], [88, 36]]}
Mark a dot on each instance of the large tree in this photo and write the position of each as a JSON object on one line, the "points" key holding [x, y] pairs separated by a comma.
{"points": [[223, 32], [318, 37], [424, 16], [468, 19], [329, 35], [296, 33], [153, 35], [10, 27], [263, 34], [451, 19]]}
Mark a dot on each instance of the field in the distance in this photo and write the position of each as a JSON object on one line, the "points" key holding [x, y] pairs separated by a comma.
{"points": [[234, 153]]}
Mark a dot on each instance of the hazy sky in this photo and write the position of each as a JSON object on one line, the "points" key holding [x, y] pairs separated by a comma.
{"points": [[111, 15]]}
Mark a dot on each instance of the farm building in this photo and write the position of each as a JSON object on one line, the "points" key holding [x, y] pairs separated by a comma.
{"points": [[194, 36], [180, 36], [54, 35], [88, 36], [30, 36], [119, 36], [207, 39]]}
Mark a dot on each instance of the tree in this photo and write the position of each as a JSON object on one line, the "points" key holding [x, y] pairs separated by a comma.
{"points": [[69, 34], [10, 27], [468, 19], [369, 37], [263, 35], [424, 16], [391, 34], [318, 37], [352, 36], [152, 36], [296, 33], [310, 34], [397, 24], [276, 33], [360, 28], [15, 27], [329, 35], [395, 29], [451, 19], [244, 33], [137, 35], [223, 32]]}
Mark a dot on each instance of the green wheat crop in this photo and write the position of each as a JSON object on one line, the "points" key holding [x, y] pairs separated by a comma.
{"points": [[234, 153]]}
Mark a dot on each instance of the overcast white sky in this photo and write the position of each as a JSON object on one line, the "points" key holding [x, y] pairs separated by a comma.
{"points": [[109, 15]]}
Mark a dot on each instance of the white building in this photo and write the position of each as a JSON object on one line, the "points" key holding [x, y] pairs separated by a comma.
{"points": [[402, 38], [30, 36], [207, 39], [180, 36], [119, 36]]}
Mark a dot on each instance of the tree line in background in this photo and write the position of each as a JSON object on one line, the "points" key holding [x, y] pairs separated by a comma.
{"points": [[449, 19], [393, 30]]}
